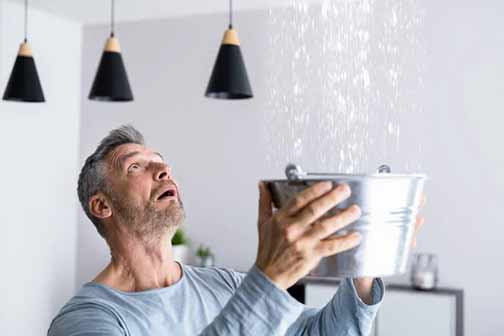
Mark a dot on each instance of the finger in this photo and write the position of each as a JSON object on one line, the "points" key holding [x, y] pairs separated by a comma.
{"points": [[423, 200], [328, 226], [320, 206], [339, 244], [418, 224], [265, 207], [306, 196]]}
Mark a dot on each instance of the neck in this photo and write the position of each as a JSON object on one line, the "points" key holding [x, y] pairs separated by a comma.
{"points": [[138, 264]]}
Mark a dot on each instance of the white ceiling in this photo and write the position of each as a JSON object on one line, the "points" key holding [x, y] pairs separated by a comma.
{"points": [[98, 11]]}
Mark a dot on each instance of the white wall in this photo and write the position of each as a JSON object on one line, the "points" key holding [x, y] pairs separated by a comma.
{"points": [[218, 148], [38, 204]]}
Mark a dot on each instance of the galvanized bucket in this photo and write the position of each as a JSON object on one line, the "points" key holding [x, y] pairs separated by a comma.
{"points": [[389, 205]]}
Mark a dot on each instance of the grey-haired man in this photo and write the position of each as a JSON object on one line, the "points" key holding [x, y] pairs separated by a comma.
{"points": [[130, 195]]}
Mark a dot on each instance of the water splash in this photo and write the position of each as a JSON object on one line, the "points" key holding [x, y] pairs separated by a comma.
{"points": [[342, 73]]}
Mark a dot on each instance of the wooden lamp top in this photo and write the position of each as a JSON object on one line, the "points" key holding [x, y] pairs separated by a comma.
{"points": [[25, 50], [231, 37], [112, 45]]}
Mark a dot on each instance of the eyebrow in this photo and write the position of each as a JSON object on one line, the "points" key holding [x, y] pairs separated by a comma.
{"points": [[125, 157]]}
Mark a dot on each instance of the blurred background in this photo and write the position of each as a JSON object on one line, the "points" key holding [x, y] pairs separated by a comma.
{"points": [[341, 85]]}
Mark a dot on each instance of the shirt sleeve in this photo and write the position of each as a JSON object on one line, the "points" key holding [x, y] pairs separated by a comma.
{"points": [[86, 320], [258, 307], [346, 314]]}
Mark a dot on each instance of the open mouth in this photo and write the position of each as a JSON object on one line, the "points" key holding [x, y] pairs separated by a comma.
{"points": [[170, 193]]}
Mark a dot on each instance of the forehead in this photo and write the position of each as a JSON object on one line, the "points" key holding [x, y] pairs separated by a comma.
{"points": [[118, 154]]}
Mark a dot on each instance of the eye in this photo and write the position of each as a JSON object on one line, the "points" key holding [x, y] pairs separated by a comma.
{"points": [[134, 167]]}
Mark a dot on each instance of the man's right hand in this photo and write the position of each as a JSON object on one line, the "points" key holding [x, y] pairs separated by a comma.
{"points": [[294, 239]]}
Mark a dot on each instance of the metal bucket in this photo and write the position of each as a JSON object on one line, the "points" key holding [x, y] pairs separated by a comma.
{"points": [[389, 205]]}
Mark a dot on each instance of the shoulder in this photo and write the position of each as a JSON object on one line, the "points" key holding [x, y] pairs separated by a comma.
{"points": [[224, 276], [87, 316]]}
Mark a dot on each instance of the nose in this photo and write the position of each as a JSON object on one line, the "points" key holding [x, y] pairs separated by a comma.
{"points": [[162, 172]]}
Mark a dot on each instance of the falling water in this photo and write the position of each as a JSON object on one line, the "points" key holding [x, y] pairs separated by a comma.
{"points": [[341, 76]]}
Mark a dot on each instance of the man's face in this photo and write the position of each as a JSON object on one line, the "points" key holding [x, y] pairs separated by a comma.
{"points": [[142, 191]]}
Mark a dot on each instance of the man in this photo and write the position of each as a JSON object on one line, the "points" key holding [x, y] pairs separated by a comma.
{"points": [[129, 193]]}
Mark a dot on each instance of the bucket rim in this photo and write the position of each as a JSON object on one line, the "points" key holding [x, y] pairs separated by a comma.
{"points": [[335, 177]]}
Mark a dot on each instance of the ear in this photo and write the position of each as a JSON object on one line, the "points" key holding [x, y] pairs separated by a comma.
{"points": [[99, 206]]}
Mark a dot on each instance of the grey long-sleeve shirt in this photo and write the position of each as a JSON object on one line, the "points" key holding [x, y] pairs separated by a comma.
{"points": [[213, 301]]}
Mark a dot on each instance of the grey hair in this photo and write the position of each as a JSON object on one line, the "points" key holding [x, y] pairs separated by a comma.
{"points": [[92, 177]]}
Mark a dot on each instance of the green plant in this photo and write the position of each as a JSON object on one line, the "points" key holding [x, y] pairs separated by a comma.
{"points": [[179, 238], [203, 251]]}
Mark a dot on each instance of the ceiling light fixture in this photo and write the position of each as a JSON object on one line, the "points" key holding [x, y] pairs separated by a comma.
{"points": [[229, 78], [24, 84], [111, 80]]}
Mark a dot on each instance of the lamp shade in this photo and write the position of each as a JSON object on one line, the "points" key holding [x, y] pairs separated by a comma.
{"points": [[229, 78], [111, 80], [24, 84]]}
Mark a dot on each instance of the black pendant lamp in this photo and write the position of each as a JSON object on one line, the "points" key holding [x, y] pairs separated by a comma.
{"points": [[111, 80], [229, 78], [24, 84]]}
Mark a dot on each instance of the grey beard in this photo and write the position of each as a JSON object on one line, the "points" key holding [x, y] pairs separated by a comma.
{"points": [[150, 223]]}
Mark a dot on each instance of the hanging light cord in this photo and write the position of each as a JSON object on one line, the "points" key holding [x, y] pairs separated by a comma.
{"points": [[26, 22], [112, 18], [230, 14]]}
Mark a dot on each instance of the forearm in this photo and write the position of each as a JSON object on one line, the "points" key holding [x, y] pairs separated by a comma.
{"points": [[346, 313], [364, 287], [258, 307]]}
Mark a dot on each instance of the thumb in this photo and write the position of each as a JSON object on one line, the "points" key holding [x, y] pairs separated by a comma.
{"points": [[265, 208]]}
